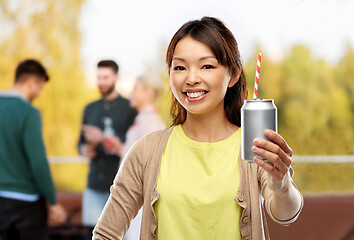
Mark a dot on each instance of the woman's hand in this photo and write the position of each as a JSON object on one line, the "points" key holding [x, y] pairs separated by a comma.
{"points": [[278, 154], [286, 201], [113, 144], [88, 150]]}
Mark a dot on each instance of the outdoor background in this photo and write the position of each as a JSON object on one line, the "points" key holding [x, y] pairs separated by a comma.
{"points": [[307, 68]]}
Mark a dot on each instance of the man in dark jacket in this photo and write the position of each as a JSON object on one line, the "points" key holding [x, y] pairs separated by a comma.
{"points": [[110, 115]]}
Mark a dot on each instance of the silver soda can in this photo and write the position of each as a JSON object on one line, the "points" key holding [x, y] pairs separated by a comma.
{"points": [[256, 116]]}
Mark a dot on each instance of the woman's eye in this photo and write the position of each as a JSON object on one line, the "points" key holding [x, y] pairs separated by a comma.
{"points": [[178, 68], [208, 67]]}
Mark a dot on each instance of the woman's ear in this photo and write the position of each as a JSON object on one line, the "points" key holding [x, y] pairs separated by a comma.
{"points": [[234, 78]]}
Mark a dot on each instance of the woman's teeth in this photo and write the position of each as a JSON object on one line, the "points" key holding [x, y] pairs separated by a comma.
{"points": [[195, 94]]}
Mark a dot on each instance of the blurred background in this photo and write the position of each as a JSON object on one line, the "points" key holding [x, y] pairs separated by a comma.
{"points": [[307, 68]]}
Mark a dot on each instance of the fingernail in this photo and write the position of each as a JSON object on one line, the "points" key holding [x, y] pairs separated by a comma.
{"points": [[269, 132], [254, 149], [256, 141]]}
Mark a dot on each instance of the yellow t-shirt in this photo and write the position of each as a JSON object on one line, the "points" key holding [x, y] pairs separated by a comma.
{"points": [[198, 182]]}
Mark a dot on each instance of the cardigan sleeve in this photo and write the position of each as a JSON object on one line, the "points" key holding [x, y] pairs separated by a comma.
{"points": [[267, 194], [126, 197]]}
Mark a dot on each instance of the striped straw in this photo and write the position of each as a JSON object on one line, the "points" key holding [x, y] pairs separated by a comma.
{"points": [[257, 76]]}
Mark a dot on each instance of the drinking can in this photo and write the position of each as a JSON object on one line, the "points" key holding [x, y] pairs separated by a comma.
{"points": [[256, 116]]}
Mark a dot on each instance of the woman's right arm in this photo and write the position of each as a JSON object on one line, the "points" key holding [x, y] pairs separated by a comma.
{"points": [[125, 200]]}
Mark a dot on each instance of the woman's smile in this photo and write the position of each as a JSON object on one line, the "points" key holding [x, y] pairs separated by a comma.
{"points": [[194, 95]]}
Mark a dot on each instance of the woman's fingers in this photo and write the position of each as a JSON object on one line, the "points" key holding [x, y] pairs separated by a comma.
{"points": [[276, 152], [272, 158], [272, 152], [279, 140], [268, 167]]}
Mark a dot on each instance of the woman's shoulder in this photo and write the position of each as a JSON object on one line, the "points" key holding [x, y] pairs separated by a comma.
{"points": [[157, 135], [147, 148], [152, 141]]}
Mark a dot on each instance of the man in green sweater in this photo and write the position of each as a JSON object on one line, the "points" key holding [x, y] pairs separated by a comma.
{"points": [[26, 185]]}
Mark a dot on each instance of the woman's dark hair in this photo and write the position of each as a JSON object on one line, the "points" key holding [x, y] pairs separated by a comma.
{"points": [[30, 67], [222, 42]]}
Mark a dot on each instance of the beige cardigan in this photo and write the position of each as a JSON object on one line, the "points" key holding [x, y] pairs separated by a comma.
{"points": [[135, 186]]}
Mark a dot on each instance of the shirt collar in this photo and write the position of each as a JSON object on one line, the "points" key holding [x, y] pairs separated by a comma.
{"points": [[12, 93]]}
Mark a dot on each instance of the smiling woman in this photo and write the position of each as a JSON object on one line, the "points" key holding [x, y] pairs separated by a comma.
{"points": [[216, 49], [190, 178]]}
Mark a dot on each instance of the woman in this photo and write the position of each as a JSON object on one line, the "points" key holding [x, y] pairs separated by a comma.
{"points": [[143, 98], [145, 93], [190, 178]]}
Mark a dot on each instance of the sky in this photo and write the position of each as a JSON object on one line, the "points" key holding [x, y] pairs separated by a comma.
{"points": [[136, 33]]}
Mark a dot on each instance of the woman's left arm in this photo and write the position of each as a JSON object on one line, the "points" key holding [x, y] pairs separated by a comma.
{"points": [[286, 201]]}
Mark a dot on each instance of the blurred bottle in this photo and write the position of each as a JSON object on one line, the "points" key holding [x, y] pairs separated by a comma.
{"points": [[108, 132]]}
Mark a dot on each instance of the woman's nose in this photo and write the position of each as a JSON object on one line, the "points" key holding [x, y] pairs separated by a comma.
{"points": [[193, 78]]}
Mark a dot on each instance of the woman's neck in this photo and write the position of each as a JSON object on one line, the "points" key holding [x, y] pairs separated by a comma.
{"points": [[212, 127], [145, 105]]}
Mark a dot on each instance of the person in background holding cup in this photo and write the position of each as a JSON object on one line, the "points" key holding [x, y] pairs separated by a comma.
{"points": [[143, 98], [27, 192], [109, 116], [189, 178]]}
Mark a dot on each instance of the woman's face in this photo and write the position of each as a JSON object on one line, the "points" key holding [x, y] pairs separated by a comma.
{"points": [[138, 95], [198, 81], [141, 96]]}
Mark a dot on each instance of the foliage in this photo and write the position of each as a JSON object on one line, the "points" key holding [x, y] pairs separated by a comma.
{"points": [[315, 100], [324, 178], [49, 32], [70, 177]]}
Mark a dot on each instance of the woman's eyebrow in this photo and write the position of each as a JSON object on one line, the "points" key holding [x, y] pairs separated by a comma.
{"points": [[178, 58], [200, 59], [206, 57]]}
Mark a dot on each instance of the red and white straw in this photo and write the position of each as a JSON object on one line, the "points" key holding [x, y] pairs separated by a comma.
{"points": [[257, 76]]}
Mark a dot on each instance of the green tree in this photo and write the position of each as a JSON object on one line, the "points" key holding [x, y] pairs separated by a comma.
{"points": [[344, 77], [269, 80], [49, 32], [313, 99]]}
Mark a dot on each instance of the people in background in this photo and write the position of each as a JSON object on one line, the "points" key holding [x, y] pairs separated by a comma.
{"points": [[109, 116], [145, 93], [27, 195]]}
